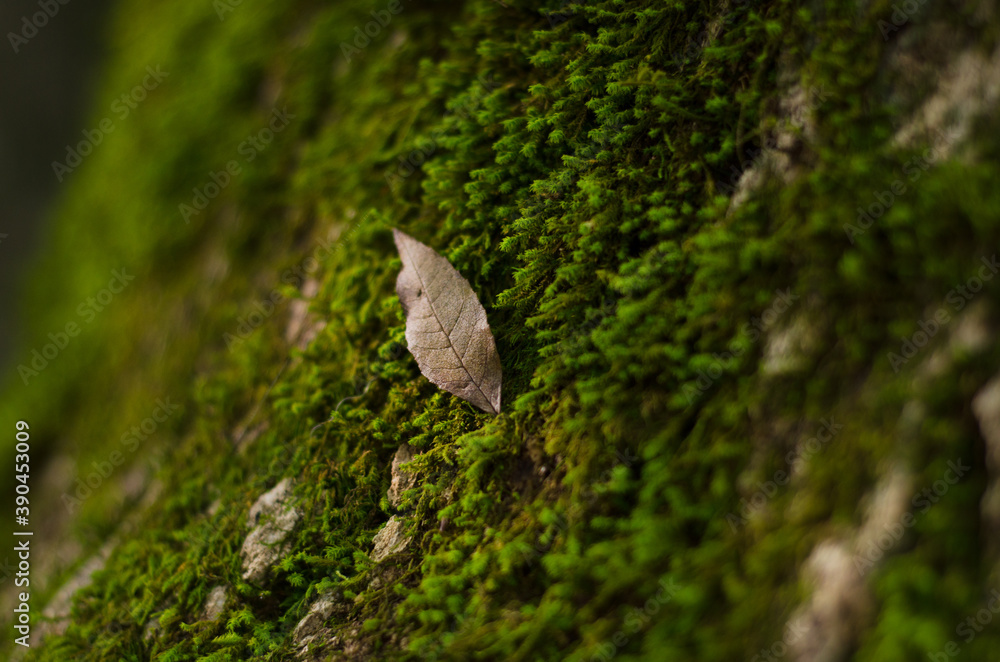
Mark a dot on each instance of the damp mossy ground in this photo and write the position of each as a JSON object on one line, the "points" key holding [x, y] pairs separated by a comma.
{"points": [[575, 162]]}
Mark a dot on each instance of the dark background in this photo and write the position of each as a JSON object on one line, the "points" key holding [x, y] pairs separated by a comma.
{"points": [[45, 97]]}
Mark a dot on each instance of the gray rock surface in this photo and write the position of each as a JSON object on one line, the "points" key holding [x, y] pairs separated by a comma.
{"points": [[402, 479], [272, 518], [390, 539]]}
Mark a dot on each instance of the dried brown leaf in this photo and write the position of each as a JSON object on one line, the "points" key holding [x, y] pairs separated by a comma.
{"points": [[446, 327]]}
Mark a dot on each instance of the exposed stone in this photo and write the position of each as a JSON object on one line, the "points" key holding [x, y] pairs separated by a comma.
{"points": [[788, 349], [793, 128], [969, 87], [397, 39], [826, 628], [886, 509], [272, 519], [311, 629], [384, 576], [299, 320], [970, 334], [152, 630], [57, 611], [390, 539], [402, 479], [215, 603], [986, 408], [312, 647], [973, 332]]}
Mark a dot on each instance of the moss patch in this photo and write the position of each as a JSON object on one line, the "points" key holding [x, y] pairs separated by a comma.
{"points": [[575, 162]]}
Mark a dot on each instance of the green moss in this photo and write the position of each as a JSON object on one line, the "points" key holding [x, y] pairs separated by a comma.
{"points": [[575, 162]]}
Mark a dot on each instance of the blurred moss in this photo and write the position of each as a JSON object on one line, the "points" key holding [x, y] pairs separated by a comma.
{"points": [[574, 162]]}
